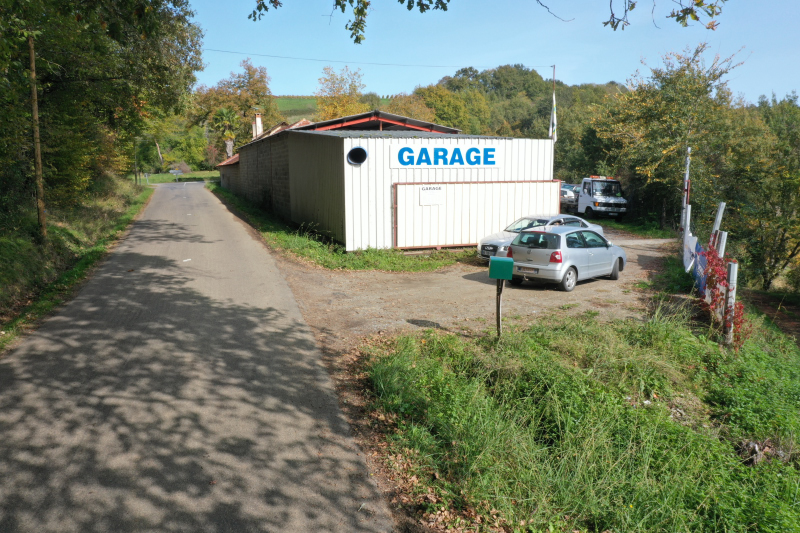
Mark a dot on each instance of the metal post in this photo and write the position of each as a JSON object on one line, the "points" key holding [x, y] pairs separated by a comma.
{"points": [[687, 232], [718, 220], [500, 284], [684, 224], [730, 302], [723, 240]]}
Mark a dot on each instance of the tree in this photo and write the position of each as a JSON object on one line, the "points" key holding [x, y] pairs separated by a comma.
{"points": [[243, 93], [685, 12], [225, 122], [650, 127], [339, 94], [101, 67], [773, 208], [371, 100], [410, 105]]}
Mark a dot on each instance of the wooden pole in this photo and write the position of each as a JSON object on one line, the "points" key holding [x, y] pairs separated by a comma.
{"points": [[500, 284], [37, 146]]}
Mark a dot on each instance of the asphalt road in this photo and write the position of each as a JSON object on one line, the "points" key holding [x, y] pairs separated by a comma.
{"points": [[180, 390]]}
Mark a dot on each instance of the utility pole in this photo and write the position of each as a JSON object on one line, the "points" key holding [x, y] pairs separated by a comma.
{"points": [[37, 146], [135, 164]]}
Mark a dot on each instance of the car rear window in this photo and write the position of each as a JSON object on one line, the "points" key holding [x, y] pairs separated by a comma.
{"points": [[545, 241]]}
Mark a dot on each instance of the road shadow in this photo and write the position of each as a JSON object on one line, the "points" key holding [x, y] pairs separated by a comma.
{"points": [[148, 405]]}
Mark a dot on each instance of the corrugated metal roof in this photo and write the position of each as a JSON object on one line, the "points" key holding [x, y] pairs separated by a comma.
{"points": [[372, 134]]}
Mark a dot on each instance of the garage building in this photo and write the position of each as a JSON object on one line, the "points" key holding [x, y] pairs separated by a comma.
{"points": [[379, 180]]}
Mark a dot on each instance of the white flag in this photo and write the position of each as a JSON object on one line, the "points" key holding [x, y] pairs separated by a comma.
{"points": [[553, 122]]}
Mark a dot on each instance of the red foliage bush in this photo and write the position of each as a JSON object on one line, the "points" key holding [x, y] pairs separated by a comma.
{"points": [[713, 301]]}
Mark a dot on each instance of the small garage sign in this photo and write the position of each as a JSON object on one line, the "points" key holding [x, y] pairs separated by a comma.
{"points": [[431, 195], [440, 155]]}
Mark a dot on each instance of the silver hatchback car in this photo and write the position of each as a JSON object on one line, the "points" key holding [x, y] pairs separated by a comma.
{"points": [[497, 244], [564, 255]]}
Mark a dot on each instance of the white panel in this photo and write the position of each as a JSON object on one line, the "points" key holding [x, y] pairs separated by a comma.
{"points": [[471, 211]]}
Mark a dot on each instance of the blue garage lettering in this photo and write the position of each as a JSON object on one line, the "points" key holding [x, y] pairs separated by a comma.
{"points": [[406, 156], [457, 158], [424, 157], [442, 157]]}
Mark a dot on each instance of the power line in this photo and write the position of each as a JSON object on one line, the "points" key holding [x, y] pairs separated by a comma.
{"points": [[353, 62]]}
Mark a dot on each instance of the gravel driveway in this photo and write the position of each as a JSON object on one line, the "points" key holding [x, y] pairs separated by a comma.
{"points": [[343, 306]]}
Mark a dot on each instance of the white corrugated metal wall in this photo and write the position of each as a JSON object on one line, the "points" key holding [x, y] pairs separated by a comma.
{"points": [[368, 187], [468, 211], [316, 184]]}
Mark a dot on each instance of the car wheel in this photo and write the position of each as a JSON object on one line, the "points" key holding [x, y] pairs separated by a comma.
{"points": [[569, 280], [589, 213], [615, 270], [516, 281]]}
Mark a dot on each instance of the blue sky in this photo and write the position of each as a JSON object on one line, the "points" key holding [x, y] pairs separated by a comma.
{"points": [[489, 33]]}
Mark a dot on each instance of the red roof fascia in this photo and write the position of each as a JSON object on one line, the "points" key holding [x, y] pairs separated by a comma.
{"points": [[234, 159], [371, 119], [343, 124]]}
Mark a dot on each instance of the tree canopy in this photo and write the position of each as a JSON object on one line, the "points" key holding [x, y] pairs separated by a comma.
{"points": [[339, 94], [684, 12], [103, 66]]}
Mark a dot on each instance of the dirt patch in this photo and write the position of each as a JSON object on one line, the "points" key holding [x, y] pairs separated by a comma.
{"points": [[344, 306], [784, 315]]}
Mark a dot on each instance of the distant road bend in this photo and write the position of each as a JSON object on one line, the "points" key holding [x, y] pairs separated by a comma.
{"points": [[180, 391]]}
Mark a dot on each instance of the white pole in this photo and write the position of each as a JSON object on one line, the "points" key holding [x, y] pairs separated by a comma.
{"points": [[718, 220], [686, 190], [723, 240], [730, 302]]}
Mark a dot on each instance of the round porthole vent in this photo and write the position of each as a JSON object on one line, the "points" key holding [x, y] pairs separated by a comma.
{"points": [[356, 156]]}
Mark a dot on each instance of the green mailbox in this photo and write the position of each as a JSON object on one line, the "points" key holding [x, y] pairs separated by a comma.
{"points": [[501, 267]]}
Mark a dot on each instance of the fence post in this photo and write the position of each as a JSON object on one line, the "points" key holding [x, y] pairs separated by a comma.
{"points": [[684, 223], [730, 302], [723, 240]]}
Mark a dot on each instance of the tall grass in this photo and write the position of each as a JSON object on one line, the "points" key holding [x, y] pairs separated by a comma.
{"points": [[306, 244], [574, 422]]}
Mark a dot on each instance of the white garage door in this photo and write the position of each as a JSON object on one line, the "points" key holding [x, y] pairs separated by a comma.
{"points": [[430, 215]]}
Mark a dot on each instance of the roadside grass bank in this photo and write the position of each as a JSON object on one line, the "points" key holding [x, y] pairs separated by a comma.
{"points": [[570, 424], [34, 279], [200, 175], [305, 244]]}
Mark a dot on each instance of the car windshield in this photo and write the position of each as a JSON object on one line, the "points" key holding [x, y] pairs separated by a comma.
{"points": [[534, 239], [606, 188], [525, 223]]}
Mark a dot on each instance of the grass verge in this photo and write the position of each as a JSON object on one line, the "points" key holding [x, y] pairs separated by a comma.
{"points": [[199, 175], [643, 229], [35, 279], [307, 245], [574, 424]]}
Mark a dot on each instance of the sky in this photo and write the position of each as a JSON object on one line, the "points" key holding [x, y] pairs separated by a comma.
{"points": [[489, 33]]}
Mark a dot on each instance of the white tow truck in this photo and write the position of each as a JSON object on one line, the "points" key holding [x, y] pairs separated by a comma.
{"points": [[601, 195]]}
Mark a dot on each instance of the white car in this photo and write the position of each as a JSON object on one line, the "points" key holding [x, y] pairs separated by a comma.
{"points": [[497, 244]]}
